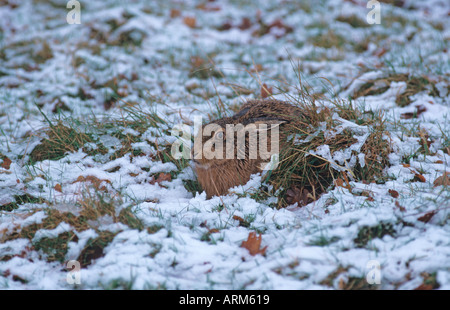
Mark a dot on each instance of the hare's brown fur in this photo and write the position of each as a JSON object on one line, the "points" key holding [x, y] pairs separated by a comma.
{"points": [[216, 176]]}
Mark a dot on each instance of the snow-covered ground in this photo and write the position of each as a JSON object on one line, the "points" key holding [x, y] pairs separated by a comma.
{"points": [[150, 54]]}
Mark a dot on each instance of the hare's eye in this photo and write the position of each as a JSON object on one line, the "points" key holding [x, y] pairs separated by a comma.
{"points": [[219, 135]]}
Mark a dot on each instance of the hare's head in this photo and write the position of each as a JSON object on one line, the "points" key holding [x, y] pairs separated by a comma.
{"points": [[210, 145]]}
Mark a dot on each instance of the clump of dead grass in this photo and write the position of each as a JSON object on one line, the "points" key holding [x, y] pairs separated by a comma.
{"points": [[304, 172]]}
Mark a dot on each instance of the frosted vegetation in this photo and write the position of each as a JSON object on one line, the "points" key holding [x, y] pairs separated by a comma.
{"points": [[86, 173]]}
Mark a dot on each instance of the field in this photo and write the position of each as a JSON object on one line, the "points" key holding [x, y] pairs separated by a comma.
{"points": [[87, 174]]}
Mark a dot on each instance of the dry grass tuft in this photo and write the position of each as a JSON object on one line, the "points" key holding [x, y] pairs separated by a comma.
{"points": [[307, 169]]}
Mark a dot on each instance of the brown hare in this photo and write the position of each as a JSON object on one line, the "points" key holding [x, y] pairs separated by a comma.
{"points": [[229, 150]]}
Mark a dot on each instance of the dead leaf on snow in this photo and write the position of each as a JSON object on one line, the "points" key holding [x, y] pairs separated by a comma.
{"points": [[420, 178], [161, 178], [400, 207], [6, 163], [191, 22], [427, 217], [253, 244], [94, 180], [393, 193], [266, 91], [58, 188], [298, 195], [174, 13]]}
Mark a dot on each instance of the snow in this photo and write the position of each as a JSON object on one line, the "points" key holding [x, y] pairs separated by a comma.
{"points": [[197, 243]]}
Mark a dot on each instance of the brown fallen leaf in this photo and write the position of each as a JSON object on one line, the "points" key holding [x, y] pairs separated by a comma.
{"points": [[253, 244], [238, 218], [419, 110], [257, 68], [94, 180], [58, 188], [393, 193], [245, 23], [174, 13], [298, 195], [341, 183], [419, 177], [427, 217], [225, 26], [266, 91], [407, 115], [161, 178], [400, 207], [189, 21], [6, 163], [197, 61], [210, 230], [443, 180]]}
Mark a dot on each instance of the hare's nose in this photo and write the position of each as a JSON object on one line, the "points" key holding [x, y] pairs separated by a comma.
{"points": [[196, 155]]}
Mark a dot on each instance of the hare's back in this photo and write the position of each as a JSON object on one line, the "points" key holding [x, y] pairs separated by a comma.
{"points": [[267, 108]]}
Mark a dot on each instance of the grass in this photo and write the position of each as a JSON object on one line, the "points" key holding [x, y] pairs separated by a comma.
{"points": [[323, 240], [69, 135], [353, 20], [414, 85], [19, 200], [357, 283], [60, 140], [368, 233], [347, 283], [298, 170], [94, 248], [55, 248], [93, 205]]}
